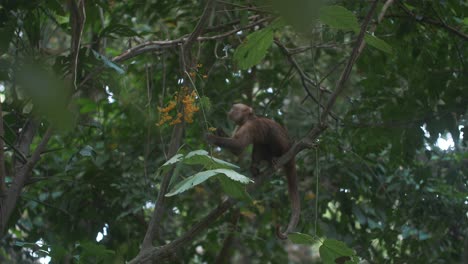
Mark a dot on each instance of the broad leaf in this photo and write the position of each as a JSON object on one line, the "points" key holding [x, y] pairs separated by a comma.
{"points": [[202, 157], [378, 43], [301, 14], [254, 48], [108, 63], [339, 17], [118, 30], [200, 177], [176, 158], [234, 189], [333, 250], [88, 151], [299, 238]]}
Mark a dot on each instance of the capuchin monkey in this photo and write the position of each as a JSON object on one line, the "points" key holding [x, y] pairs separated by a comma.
{"points": [[270, 141]]}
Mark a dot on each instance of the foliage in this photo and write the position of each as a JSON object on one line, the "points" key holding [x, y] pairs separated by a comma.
{"points": [[385, 188]]}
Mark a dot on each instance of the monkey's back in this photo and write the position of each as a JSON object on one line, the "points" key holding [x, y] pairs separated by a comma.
{"points": [[270, 135]]}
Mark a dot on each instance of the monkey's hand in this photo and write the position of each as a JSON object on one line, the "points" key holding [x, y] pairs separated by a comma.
{"points": [[210, 138], [220, 132]]}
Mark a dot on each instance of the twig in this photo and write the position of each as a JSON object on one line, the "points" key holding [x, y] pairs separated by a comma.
{"points": [[176, 138], [304, 78], [433, 22], [2, 157], [347, 71], [78, 18], [152, 46]]}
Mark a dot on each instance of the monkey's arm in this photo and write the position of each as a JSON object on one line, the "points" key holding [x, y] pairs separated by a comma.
{"points": [[220, 133], [236, 144]]}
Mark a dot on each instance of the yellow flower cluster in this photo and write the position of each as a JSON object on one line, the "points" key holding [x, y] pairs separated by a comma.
{"points": [[190, 108]]}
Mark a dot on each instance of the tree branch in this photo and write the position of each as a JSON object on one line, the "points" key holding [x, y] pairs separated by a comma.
{"points": [[77, 20], [433, 22], [2, 157], [160, 253], [357, 50], [7, 205], [152, 46], [177, 136], [304, 78], [309, 140]]}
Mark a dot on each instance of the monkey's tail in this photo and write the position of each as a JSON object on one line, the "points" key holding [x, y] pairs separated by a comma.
{"points": [[290, 169]]}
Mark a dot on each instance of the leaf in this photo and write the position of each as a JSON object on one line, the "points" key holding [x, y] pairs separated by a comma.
{"points": [[234, 189], [168, 164], [378, 43], [301, 14], [108, 63], [205, 104], [86, 105], [200, 177], [119, 30], [303, 239], [6, 34], [176, 158], [94, 250], [254, 48], [359, 215], [332, 250], [423, 235], [202, 157], [339, 17], [87, 151]]}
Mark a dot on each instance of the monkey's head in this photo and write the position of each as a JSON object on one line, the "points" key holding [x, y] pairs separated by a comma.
{"points": [[239, 113]]}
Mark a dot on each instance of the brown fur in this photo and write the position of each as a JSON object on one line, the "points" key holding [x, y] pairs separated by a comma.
{"points": [[270, 141]]}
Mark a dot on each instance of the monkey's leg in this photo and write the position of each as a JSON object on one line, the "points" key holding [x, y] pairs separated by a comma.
{"points": [[259, 154]]}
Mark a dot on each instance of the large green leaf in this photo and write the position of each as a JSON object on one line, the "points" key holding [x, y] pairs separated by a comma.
{"points": [[301, 14], [339, 17], [202, 157], [118, 30], [299, 238], [200, 177], [378, 43], [254, 48], [234, 189], [333, 250], [108, 63], [176, 158]]}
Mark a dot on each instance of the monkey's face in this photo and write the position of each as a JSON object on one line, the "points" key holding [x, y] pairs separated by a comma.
{"points": [[239, 113]]}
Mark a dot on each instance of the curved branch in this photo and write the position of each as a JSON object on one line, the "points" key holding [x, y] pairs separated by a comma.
{"points": [[160, 253], [426, 20]]}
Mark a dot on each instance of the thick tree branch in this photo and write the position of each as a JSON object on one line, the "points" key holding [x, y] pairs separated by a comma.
{"points": [[8, 204], [226, 250], [200, 25], [2, 157], [152, 46], [160, 253]]}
